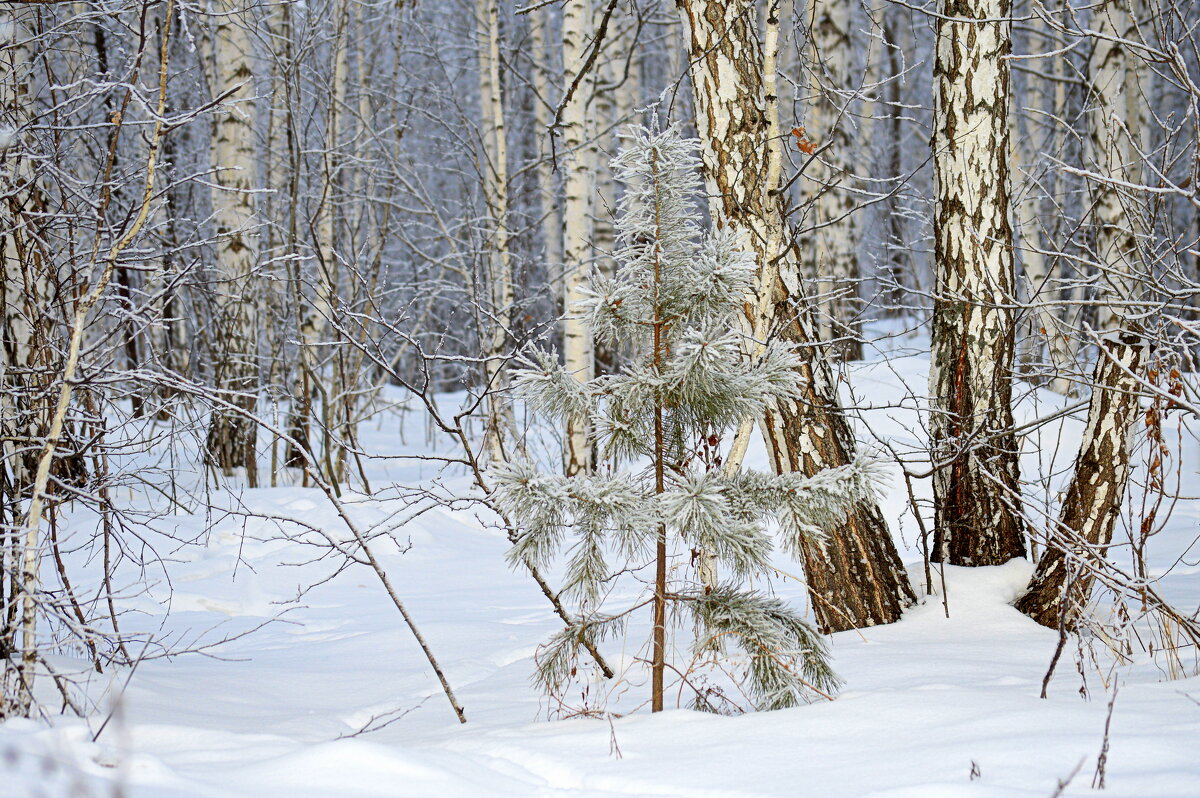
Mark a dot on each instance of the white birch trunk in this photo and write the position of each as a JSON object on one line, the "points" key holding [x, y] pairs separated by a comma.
{"points": [[499, 264], [26, 287], [552, 222], [830, 124], [1062, 584], [580, 172], [324, 373], [855, 577], [1115, 123], [888, 130], [231, 438], [26, 297], [976, 486]]}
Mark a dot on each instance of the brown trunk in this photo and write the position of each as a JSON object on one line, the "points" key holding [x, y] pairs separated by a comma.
{"points": [[976, 484], [658, 666], [1062, 582], [855, 576]]}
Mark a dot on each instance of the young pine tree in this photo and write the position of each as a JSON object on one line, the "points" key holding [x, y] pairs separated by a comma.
{"points": [[660, 491]]}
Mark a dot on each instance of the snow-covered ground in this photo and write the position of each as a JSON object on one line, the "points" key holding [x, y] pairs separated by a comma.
{"points": [[332, 697]]}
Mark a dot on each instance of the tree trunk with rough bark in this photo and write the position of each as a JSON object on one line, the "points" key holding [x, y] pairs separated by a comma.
{"points": [[27, 286], [24, 352], [976, 481], [900, 280], [231, 434], [855, 577], [1062, 583]]}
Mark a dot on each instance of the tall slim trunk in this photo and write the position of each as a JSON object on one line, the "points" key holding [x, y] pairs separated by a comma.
{"points": [[658, 657], [278, 370], [1115, 122], [321, 370], [901, 279], [125, 281], [27, 285], [1068, 99], [369, 229], [552, 221], [976, 485], [608, 111], [24, 352], [330, 248], [855, 576], [499, 277], [1062, 583], [829, 123], [604, 112], [1047, 332], [577, 229], [176, 338], [284, 175], [231, 435]]}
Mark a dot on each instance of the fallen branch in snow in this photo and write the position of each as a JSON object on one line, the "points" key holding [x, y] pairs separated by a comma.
{"points": [[1064, 783], [381, 721], [455, 429]]}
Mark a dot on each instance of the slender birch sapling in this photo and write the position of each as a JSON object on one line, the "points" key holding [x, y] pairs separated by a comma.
{"points": [[657, 495]]}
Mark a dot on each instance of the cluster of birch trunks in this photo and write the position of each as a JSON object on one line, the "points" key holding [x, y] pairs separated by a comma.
{"points": [[234, 224]]}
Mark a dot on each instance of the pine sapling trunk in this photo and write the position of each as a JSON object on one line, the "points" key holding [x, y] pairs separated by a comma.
{"points": [[675, 300], [658, 665]]}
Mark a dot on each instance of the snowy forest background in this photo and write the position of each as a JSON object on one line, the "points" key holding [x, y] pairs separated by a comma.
{"points": [[352, 392]]}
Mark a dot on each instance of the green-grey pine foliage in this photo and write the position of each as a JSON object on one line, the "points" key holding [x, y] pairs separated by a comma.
{"points": [[672, 304]]}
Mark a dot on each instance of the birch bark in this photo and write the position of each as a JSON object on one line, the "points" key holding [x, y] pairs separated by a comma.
{"points": [[26, 287], [1115, 123], [1062, 583], [976, 486], [577, 229], [499, 264], [829, 124], [316, 388], [552, 222], [24, 372], [231, 436], [856, 578]]}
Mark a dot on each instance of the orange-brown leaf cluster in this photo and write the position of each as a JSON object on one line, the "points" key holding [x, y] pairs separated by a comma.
{"points": [[803, 142]]}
